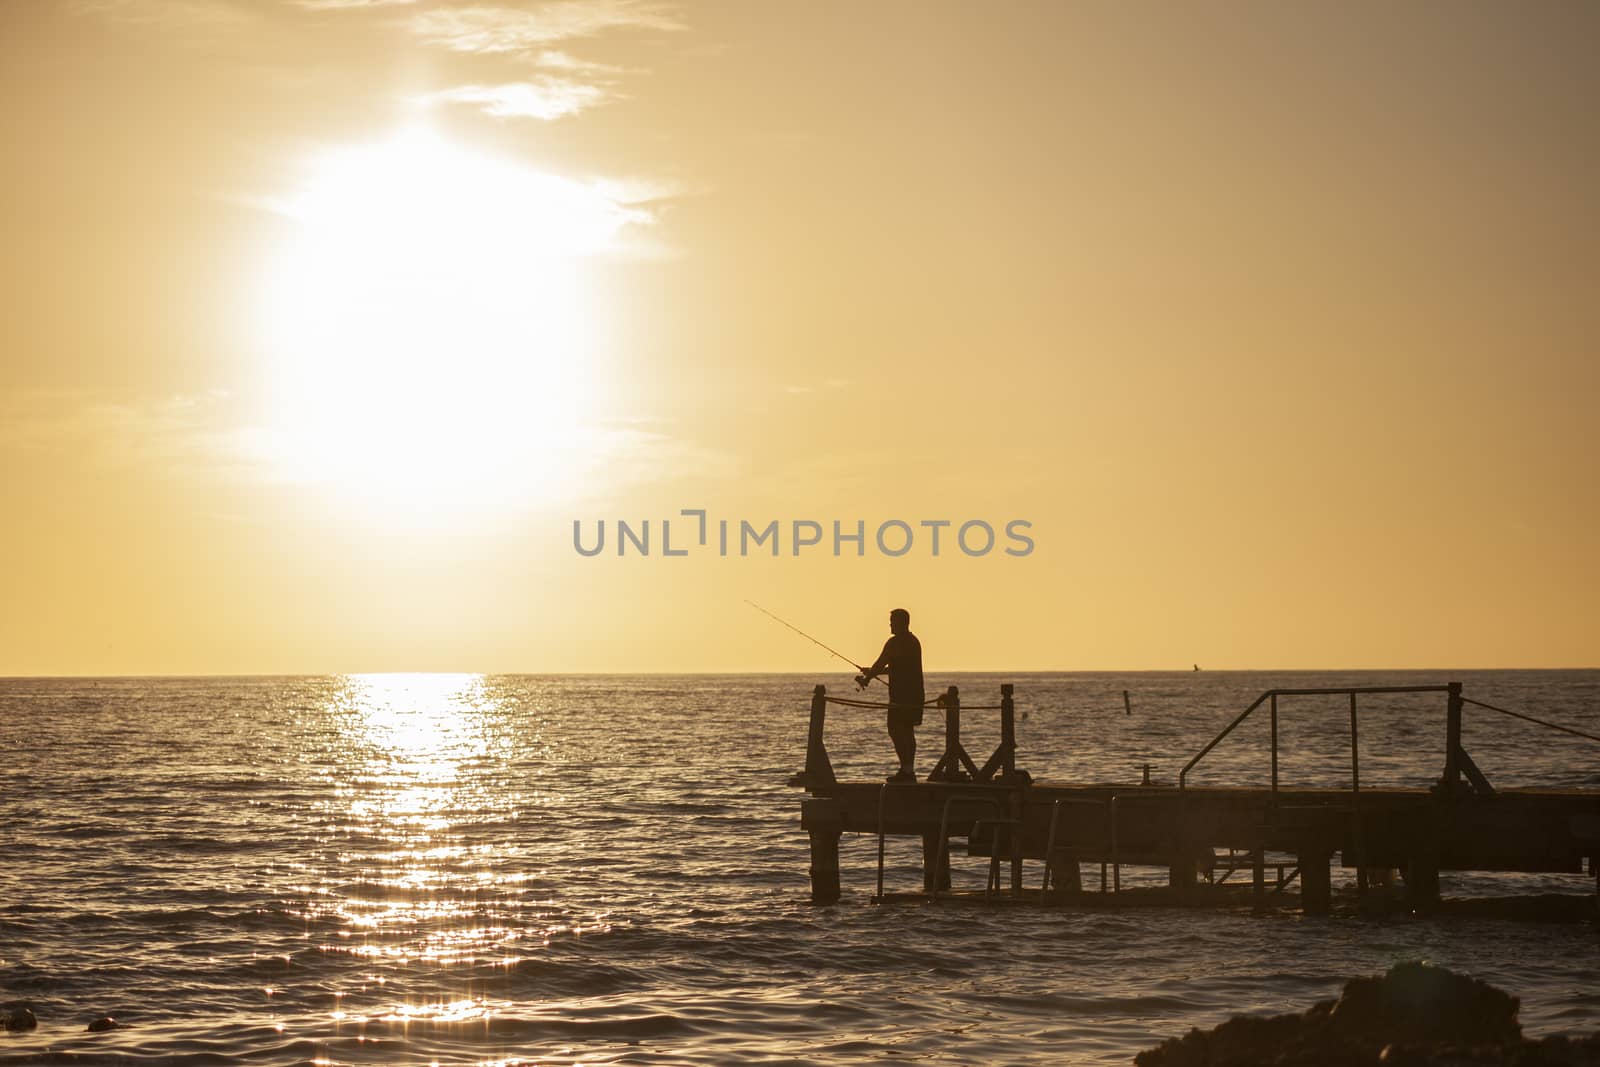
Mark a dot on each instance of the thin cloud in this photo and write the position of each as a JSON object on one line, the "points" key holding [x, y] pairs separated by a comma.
{"points": [[571, 64], [546, 99], [569, 84], [637, 190], [188, 437], [505, 30], [208, 439]]}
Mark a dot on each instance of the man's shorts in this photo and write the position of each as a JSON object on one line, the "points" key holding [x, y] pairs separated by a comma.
{"points": [[902, 716]]}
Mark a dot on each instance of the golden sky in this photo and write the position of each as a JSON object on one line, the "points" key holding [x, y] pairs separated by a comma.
{"points": [[324, 320]]}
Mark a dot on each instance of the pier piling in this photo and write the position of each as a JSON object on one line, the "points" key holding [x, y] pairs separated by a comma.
{"points": [[823, 822], [935, 864], [1316, 879]]}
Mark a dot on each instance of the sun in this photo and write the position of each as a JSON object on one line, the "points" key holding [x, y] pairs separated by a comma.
{"points": [[427, 326]]}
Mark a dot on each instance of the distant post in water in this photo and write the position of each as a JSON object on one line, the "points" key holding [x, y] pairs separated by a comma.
{"points": [[1127, 705]]}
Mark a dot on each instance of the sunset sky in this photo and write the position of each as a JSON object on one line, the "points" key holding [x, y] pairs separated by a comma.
{"points": [[324, 320]]}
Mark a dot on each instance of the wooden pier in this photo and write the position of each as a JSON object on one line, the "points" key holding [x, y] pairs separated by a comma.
{"points": [[1264, 838]]}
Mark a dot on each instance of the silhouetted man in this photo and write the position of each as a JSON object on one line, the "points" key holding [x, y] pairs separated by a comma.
{"points": [[902, 659]]}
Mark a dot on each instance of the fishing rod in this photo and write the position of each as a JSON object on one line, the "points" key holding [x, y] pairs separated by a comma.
{"points": [[859, 668]]}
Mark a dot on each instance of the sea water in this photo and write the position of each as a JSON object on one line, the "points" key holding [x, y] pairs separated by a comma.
{"points": [[414, 869]]}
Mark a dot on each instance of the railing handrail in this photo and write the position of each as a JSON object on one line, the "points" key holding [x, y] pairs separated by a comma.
{"points": [[944, 832], [954, 765], [1226, 730], [1344, 690], [1319, 691], [1529, 718]]}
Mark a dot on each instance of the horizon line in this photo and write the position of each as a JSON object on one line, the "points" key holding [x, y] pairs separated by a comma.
{"points": [[744, 673]]}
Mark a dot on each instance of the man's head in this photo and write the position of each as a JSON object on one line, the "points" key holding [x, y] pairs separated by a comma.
{"points": [[899, 621]]}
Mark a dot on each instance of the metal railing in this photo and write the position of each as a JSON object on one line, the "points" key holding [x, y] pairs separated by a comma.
{"points": [[1456, 762], [1051, 850], [938, 862], [1529, 718]]}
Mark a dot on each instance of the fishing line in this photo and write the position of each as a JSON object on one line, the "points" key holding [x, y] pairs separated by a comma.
{"points": [[808, 637]]}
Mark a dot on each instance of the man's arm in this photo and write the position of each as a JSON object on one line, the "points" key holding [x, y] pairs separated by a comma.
{"points": [[880, 665]]}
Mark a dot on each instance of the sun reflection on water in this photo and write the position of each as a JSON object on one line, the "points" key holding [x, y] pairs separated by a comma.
{"points": [[430, 848], [438, 872]]}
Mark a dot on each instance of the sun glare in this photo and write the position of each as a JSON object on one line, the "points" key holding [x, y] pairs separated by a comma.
{"points": [[427, 325]]}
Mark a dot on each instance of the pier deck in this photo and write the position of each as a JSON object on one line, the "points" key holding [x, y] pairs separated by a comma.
{"points": [[1199, 833]]}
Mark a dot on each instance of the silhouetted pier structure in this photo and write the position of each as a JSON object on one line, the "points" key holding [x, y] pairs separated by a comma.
{"points": [[1202, 835]]}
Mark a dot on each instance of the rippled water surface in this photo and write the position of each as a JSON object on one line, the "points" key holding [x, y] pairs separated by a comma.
{"points": [[465, 869]]}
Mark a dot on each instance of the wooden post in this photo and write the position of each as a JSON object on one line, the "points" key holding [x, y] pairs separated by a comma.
{"points": [[819, 769], [1357, 831], [1422, 863], [1065, 876], [952, 720], [935, 864], [1355, 752], [1258, 874], [1008, 731], [1452, 740], [1180, 875], [1017, 805], [1127, 705], [1422, 882], [1116, 852], [1274, 748], [824, 866], [949, 766], [823, 820], [1316, 880], [952, 728]]}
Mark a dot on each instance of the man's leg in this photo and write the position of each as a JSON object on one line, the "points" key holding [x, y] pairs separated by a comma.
{"points": [[904, 737]]}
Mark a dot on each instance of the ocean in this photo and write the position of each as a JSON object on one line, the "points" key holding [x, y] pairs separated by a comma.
{"points": [[466, 869]]}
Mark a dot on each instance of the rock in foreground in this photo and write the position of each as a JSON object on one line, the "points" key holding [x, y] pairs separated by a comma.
{"points": [[17, 1016], [1416, 1015]]}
